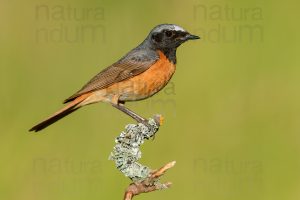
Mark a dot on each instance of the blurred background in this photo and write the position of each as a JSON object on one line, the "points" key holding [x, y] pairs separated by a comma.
{"points": [[231, 110]]}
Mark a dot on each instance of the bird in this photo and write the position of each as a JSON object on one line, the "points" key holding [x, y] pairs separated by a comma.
{"points": [[138, 75]]}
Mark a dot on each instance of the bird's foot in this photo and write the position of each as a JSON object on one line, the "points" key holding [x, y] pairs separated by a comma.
{"points": [[146, 123], [158, 120]]}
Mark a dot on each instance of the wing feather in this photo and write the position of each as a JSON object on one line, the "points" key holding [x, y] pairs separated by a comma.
{"points": [[135, 62]]}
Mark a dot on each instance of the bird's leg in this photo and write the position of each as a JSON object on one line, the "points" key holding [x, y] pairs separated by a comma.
{"points": [[132, 114]]}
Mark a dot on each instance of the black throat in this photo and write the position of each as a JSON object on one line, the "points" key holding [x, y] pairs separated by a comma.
{"points": [[170, 53]]}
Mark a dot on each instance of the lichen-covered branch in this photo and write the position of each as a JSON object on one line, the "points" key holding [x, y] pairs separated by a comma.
{"points": [[126, 153], [149, 184]]}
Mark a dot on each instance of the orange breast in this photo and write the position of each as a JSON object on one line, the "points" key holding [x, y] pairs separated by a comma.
{"points": [[147, 83]]}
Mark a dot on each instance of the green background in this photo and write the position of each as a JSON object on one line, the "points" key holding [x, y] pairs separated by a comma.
{"points": [[232, 108]]}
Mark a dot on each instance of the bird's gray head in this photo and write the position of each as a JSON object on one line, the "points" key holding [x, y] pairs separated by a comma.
{"points": [[169, 36]]}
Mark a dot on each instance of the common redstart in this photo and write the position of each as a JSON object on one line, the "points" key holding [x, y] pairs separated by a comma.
{"points": [[140, 74]]}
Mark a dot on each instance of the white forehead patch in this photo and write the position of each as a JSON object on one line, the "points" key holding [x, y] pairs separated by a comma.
{"points": [[178, 28], [174, 27]]}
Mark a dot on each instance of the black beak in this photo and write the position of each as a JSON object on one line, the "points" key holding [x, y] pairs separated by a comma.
{"points": [[192, 37]]}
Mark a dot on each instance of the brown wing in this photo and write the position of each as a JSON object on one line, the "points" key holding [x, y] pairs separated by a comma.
{"points": [[134, 63]]}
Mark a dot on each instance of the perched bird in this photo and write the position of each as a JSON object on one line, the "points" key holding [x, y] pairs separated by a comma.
{"points": [[141, 73]]}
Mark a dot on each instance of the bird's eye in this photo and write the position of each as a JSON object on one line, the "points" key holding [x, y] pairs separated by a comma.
{"points": [[168, 33]]}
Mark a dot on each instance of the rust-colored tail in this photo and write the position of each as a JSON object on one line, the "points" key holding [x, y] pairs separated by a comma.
{"points": [[71, 107]]}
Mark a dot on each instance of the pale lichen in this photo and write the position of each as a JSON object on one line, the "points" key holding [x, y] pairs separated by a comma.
{"points": [[126, 153]]}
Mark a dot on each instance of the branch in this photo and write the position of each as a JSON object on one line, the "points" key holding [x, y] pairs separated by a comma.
{"points": [[149, 184], [126, 153]]}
